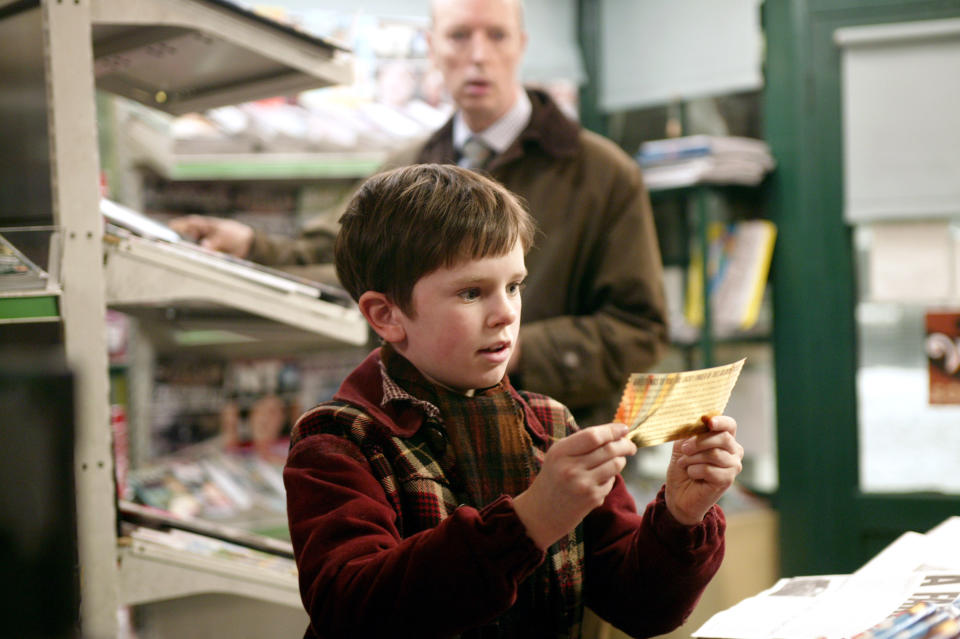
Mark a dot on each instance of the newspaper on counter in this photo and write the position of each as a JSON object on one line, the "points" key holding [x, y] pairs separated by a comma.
{"points": [[915, 568]]}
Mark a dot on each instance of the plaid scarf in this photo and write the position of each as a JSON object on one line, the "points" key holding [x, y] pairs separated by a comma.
{"points": [[492, 454]]}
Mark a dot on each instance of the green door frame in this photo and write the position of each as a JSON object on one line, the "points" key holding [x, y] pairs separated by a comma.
{"points": [[827, 525], [588, 37]]}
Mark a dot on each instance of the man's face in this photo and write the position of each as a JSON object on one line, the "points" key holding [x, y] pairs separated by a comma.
{"points": [[478, 45], [465, 321]]}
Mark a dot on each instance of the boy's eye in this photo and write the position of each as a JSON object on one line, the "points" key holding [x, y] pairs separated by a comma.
{"points": [[516, 288], [469, 294]]}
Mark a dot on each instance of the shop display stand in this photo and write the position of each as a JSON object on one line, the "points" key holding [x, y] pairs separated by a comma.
{"points": [[693, 170], [703, 205], [696, 197], [150, 51], [699, 194]]}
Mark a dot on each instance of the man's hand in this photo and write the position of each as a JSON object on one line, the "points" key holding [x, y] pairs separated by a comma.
{"points": [[216, 233], [578, 472], [702, 468]]}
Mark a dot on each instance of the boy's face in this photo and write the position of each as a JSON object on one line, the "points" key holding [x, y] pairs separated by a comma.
{"points": [[466, 321]]}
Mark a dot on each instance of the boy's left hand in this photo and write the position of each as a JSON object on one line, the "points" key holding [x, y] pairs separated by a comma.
{"points": [[702, 468]]}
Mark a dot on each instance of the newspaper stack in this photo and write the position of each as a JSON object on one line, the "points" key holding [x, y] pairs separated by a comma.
{"points": [[913, 586], [696, 159]]}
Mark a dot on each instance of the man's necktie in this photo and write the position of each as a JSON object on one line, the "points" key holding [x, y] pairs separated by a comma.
{"points": [[474, 154]]}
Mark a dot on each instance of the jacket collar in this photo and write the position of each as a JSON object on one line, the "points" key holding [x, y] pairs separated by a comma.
{"points": [[549, 129], [364, 389], [501, 134]]}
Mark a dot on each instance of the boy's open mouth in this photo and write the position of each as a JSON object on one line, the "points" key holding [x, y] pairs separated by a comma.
{"points": [[496, 348]]}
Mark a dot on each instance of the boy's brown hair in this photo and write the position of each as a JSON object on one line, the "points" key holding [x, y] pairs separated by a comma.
{"points": [[408, 222]]}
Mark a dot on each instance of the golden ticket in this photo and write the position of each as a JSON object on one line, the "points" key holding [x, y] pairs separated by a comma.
{"points": [[664, 407]]}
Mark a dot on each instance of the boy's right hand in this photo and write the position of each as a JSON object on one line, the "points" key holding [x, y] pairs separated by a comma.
{"points": [[578, 472]]}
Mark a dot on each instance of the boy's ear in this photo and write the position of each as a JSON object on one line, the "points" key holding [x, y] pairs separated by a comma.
{"points": [[383, 316]]}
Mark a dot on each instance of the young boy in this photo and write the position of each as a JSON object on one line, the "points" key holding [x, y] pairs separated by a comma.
{"points": [[432, 499]]}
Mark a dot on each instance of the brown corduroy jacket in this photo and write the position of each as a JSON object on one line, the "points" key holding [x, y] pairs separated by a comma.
{"points": [[594, 308]]}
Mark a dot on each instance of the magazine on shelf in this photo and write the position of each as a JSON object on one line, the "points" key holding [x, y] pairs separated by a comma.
{"points": [[17, 272], [703, 170], [205, 546], [738, 263], [236, 488], [155, 518], [698, 159], [655, 152], [201, 552]]}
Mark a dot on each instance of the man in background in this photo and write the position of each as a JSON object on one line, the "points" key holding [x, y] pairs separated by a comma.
{"points": [[594, 308]]}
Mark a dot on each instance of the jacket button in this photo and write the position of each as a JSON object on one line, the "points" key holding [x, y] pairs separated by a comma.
{"points": [[571, 359], [436, 438]]}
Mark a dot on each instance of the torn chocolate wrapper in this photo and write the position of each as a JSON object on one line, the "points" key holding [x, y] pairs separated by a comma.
{"points": [[664, 407]]}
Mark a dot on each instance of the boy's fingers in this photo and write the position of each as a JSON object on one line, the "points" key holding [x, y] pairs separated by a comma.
{"points": [[717, 444], [720, 423], [712, 457], [620, 448], [722, 431], [701, 443], [589, 439], [617, 430], [712, 474]]}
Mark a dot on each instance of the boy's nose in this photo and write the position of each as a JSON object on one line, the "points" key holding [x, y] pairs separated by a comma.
{"points": [[504, 312]]}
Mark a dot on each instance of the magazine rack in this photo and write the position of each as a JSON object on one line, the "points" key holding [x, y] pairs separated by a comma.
{"points": [[177, 56]]}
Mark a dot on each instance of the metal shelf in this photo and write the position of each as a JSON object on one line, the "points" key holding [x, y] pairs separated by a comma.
{"points": [[148, 573], [153, 146], [182, 56], [149, 274], [267, 166]]}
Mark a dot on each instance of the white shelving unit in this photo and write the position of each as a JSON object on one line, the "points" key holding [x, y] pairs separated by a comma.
{"points": [[177, 56]]}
